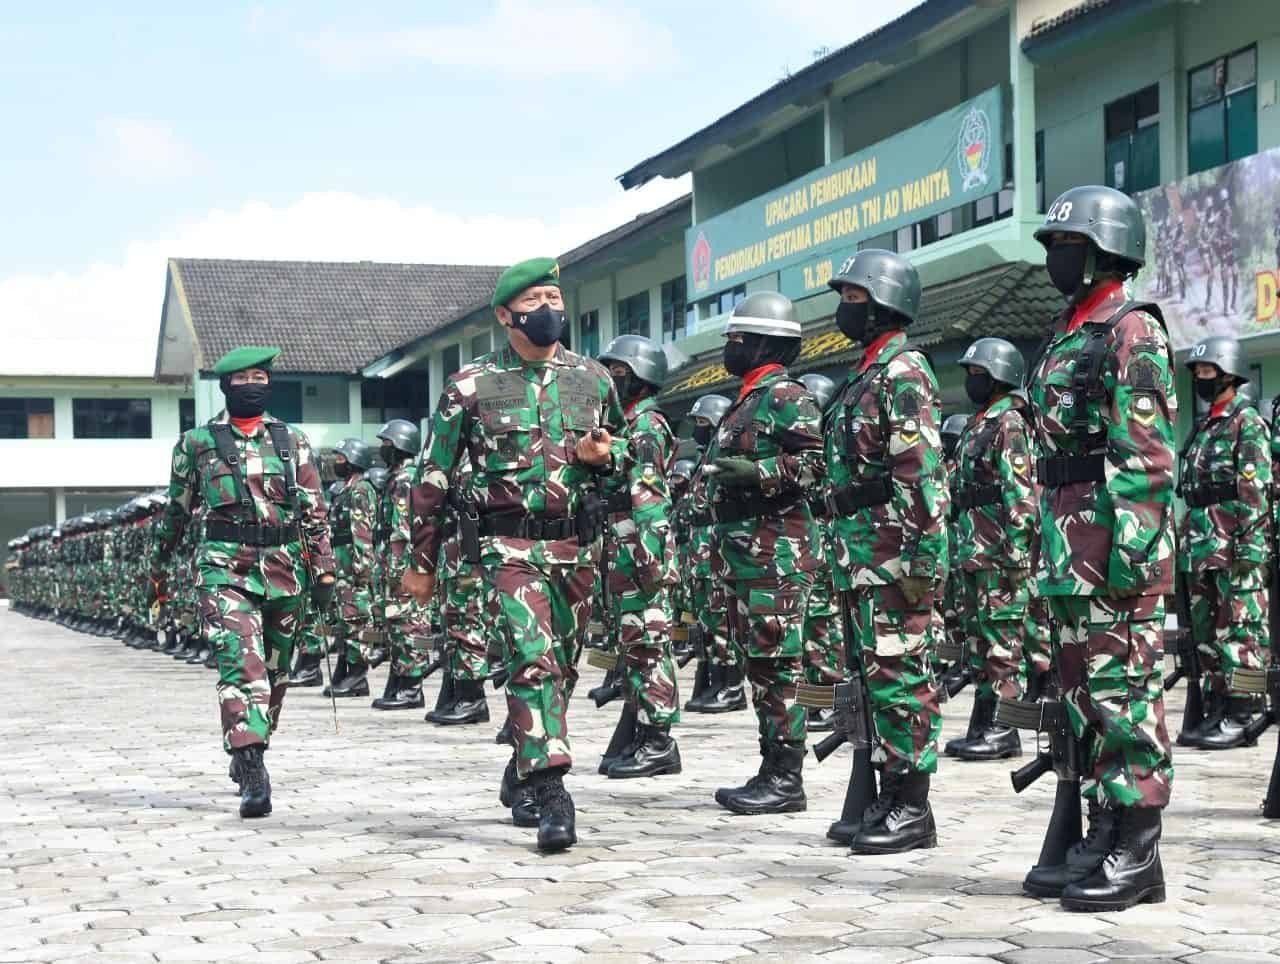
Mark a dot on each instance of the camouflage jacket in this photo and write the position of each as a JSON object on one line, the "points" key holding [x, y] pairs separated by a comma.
{"points": [[519, 423], [1226, 460], [693, 511], [352, 517], [398, 549], [641, 543], [995, 469], [883, 430], [1117, 533], [201, 486], [775, 423]]}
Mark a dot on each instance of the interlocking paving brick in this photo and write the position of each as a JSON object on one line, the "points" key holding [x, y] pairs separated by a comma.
{"points": [[119, 843]]}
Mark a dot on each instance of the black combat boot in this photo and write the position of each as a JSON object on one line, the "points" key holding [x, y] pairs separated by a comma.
{"points": [[1083, 857], [469, 705], [402, 693], [503, 737], [843, 831], [1215, 707], [908, 825], [1130, 873], [378, 657], [339, 672], [255, 785], [977, 719], [519, 796], [705, 682], [993, 741], [211, 658], [307, 672], [653, 754], [623, 741], [556, 821], [199, 653], [355, 683], [190, 646], [1230, 730], [777, 788], [729, 696], [174, 643]]}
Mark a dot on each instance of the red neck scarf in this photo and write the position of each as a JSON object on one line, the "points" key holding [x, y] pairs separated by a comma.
{"points": [[1220, 407], [874, 349], [1087, 307], [756, 376], [248, 426]]}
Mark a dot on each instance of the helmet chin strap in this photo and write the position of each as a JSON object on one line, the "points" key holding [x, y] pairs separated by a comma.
{"points": [[1086, 280]]}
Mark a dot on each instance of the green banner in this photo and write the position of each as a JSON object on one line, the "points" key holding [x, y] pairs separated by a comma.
{"points": [[948, 160]]}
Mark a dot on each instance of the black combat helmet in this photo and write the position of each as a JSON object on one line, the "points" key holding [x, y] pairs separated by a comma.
{"points": [[998, 358], [822, 388], [890, 280], [402, 434], [1222, 351], [357, 452], [711, 407], [1107, 217], [644, 356]]}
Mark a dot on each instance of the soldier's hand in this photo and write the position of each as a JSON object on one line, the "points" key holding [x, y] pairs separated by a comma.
{"points": [[322, 591], [915, 588], [595, 448], [734, 472], [420, 585]]}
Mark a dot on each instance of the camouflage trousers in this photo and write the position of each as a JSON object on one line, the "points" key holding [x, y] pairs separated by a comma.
{"points": [[543, 614], [767, 629], [314, 631], [893, 639], [407, 625], [355, 609], [995, 617], [1037, 647], [1111, 660], [1229, 624], [823, 634], [467, 609], [252, 639], [642, 622], [710, 605]]}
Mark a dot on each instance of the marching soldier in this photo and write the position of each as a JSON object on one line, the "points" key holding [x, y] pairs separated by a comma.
{"points": [[888, 498], [250, 480], [764, 457], [1225, 480], [995, 509], [536, 421], [1103, 398], [351, 515], [951, 646]]}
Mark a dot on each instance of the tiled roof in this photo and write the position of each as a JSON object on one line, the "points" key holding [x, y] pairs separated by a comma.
{"points": [[1014, 301], [328, 316], [1046, 25]]}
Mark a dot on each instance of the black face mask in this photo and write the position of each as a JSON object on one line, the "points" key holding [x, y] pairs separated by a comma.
{"points": [[1207, 389], [342, 470], [627, 386], [1066, 263], [248, 400], [852, 318], [543, 327], [389, 454], [740, 356], [702, 435], [979, 387], [950, 444]]}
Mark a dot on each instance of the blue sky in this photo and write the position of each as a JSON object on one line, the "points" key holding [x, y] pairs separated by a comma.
{"points": [[391, 131]]}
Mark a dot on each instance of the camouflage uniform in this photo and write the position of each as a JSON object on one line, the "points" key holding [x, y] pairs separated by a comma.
{"points": [[351, 518], [407, 622], [519, 424], [251, 597]]}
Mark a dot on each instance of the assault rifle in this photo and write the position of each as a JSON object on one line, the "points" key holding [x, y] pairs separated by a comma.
{"points": [[1186, 662], [1062, 755], [851, 702], [1266, 681], [958, 674]]}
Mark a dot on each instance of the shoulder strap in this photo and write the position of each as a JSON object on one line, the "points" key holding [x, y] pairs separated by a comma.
{"points": [[1086, 379], [282, 441], [225, 444]]}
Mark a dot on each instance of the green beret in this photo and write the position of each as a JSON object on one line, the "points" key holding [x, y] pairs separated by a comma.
{"points": [[526, 274], [246, 356]]}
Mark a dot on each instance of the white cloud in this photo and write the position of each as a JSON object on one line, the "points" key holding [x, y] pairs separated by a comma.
{"points": [[581, 38], [146, 152], [105, 318]]}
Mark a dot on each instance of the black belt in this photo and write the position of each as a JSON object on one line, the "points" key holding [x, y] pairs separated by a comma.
{"points": [[535, 527], [1065, 469], [851, 498], [1204, 495], [251, 533], [619, 502], [972, 496], [751, 507]]}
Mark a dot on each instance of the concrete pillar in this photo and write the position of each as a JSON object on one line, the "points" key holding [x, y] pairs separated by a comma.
{"points": [[832, 131], [60, 505], [1022, 80]]}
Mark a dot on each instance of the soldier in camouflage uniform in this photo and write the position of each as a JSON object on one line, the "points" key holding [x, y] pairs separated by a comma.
{"points": [[764, 457], [351, 516], [995, 509], [406, 623], [536, 421], [720, 680], [318, 630], [1225, 482], [951, 656], [641, 566], [247, 481], [1103, 398], [823, 625], [1038, 638], [888, 498]]}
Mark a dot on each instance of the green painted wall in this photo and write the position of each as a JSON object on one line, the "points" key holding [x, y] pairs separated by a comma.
{"points": [[759, 168]]}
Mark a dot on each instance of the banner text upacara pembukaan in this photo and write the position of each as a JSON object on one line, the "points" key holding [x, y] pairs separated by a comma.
{"points": [[945, 161]]}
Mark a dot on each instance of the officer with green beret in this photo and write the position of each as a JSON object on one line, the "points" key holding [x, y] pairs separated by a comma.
{"points": [[537, 423], [264, 543]]}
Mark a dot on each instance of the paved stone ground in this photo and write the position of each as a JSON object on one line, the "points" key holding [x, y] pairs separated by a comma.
{"points": [[119, 842]]}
